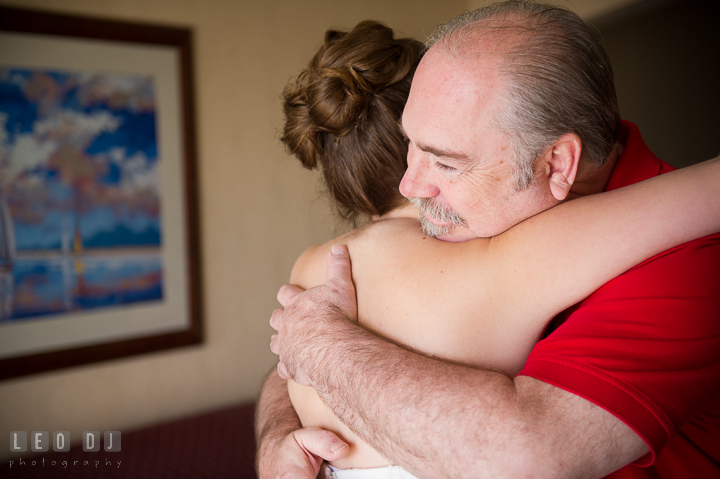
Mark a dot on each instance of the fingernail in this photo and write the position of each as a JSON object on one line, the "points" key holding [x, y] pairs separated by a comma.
{"points": [[337, 447], [338, 249]]}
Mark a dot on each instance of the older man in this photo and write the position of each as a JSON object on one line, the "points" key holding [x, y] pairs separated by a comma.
{"points": [[630, 374]]}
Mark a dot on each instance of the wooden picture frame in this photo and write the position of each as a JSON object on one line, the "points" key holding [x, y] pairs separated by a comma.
{"points": [[96, 322]]}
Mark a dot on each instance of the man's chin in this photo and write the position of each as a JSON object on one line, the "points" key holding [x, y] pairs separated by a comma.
{"points": [[449, 233]]}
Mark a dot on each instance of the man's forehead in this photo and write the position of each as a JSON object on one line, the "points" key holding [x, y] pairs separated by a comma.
{"points": [[465, 78], [449, 102]]}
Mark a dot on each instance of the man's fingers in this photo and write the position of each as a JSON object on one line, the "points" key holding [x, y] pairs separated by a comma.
{"points": [[287, 293], [282, 371], [339, 270], [302, 378], [321, 443], [299, 322], [339, 273], [275, 319], [338, 264]]}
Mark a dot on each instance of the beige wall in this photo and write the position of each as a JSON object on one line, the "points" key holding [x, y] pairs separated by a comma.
{"points": [[257, 207], [257, 210]]}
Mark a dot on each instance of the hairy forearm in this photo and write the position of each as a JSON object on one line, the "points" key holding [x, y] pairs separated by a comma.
{"points": [[275, 417]]}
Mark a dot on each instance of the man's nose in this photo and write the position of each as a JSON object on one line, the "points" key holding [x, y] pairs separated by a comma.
{"points": [[416, 182]]}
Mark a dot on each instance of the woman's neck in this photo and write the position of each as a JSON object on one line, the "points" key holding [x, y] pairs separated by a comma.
{"points": [[406, 210]]}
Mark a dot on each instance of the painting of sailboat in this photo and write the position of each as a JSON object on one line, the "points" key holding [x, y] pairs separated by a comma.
{"points": [[80, 212]]}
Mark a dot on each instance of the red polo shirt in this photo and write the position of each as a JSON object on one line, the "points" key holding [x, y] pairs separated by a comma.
{"points": [[646, 346]]}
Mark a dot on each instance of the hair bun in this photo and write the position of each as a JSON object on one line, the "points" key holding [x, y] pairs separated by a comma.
{"points": [[342, 112], [336, 91], [300, 134], [325, 100], [337, 98]]}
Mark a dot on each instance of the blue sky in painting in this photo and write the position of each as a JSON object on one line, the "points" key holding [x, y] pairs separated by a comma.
{"points": [[21, 113], [78, 151]]}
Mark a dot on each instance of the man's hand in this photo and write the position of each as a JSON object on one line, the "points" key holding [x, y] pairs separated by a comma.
{"points": [[285, 449], [301, 453], [308, 315]]}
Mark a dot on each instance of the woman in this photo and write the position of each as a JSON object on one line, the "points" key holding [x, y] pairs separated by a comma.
{"points": [[489, 301]]}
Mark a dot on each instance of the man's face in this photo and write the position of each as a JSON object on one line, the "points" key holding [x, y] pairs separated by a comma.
{"points": [[456, 160]]}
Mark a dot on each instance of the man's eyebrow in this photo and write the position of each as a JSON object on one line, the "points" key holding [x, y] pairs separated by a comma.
{"points": [[439, 152]]}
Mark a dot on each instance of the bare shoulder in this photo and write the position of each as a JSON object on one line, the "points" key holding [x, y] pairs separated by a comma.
{"points": [[383, 246], [310, 268]]}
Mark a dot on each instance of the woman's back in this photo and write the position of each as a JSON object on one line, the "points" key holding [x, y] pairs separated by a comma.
{"points": [[406, 281], [398, 298]]}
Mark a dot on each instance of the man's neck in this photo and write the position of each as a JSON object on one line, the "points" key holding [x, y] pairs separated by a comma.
{"points": [[591, 179]]}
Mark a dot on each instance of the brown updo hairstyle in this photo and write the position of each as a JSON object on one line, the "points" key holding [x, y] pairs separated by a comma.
{"points": [[342, 113]]}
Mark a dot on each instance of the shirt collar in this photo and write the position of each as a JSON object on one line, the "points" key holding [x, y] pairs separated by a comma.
{"points": [[637, 162]]}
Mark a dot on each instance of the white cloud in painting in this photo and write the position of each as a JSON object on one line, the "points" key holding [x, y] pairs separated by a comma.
{"points": [[143, 174], [28, 153], [31, 150], [131, 92], [76, 126], [116, 154], [138, 172]]}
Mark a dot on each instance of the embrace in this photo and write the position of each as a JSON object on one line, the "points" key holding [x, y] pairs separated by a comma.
{"points": [[554, 312]]}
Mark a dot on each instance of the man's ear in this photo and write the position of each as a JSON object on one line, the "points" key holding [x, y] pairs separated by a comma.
{"points": [[562, 164]]}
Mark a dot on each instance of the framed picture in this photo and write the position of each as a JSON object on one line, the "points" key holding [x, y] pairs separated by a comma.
{"points": [[99, 254]]}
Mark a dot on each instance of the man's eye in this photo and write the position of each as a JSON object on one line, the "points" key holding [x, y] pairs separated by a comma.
{"points": [[444, 167]]}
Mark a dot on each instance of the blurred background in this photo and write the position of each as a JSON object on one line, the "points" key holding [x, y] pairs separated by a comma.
{"points": [[258, 209]]}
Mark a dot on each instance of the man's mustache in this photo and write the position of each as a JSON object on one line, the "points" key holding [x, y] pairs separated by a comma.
{"points": [[433, 209]]}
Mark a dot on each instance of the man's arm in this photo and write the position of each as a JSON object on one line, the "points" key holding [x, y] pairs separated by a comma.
{"points": [[285, 449], [434, 418]]}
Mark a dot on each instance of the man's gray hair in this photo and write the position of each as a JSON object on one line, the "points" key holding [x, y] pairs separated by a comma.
{"points": [[558, 79]]}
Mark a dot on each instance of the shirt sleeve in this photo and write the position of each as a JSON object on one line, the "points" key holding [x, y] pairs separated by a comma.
{"points": [[646, 345]]}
